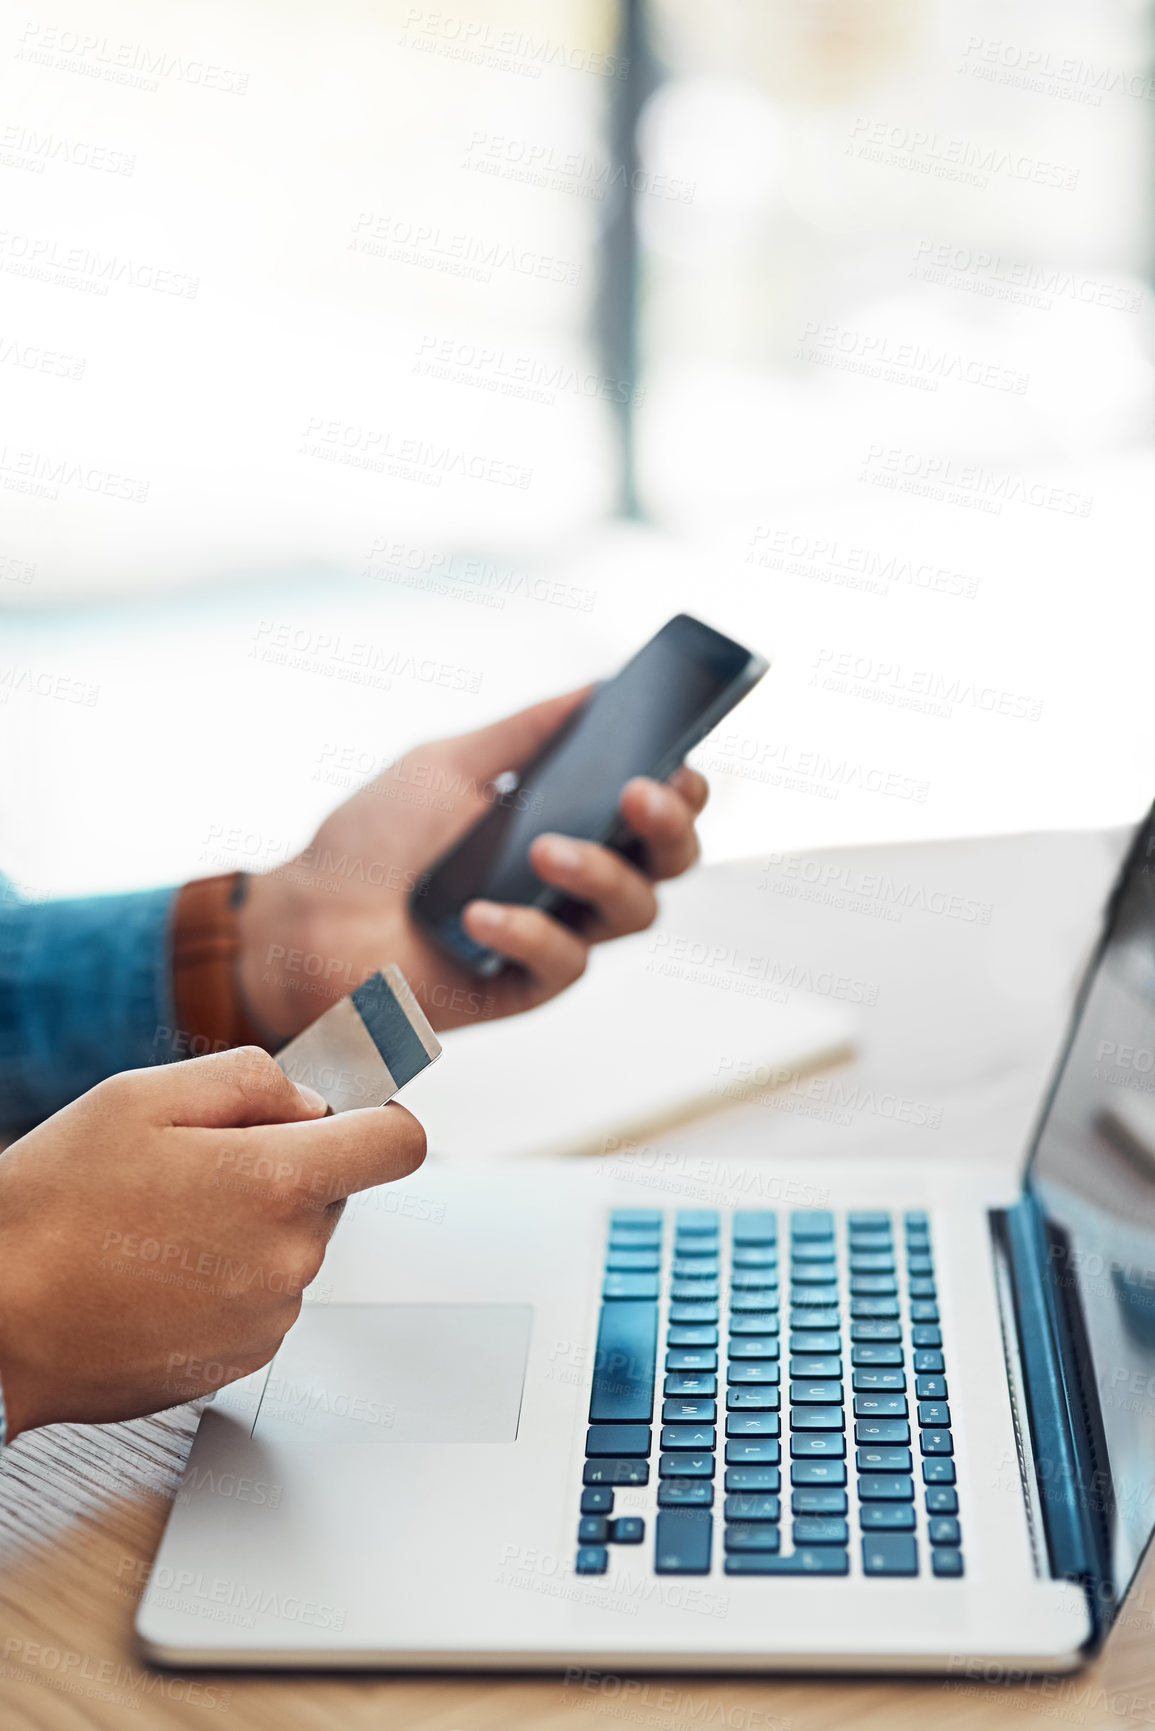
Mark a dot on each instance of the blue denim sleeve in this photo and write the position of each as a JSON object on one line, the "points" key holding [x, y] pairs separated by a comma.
{"points": [[85, 991]]}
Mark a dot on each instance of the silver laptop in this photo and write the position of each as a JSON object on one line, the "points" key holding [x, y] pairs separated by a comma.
{"points": [[737, 1417]]}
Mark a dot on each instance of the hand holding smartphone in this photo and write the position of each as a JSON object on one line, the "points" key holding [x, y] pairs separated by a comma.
{"points": [[664, 702]]}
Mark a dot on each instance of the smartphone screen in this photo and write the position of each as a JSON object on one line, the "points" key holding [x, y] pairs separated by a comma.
{"points": [[642, 722]]}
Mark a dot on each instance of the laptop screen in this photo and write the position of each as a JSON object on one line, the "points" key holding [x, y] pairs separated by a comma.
{"points": [[1093, 1170]]}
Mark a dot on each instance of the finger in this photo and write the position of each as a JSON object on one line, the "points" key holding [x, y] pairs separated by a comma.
{"points": [[348, 1152], [664, 820], [222, 1090], [693, 787], [510, 743], [552, 954], [622, 897]]}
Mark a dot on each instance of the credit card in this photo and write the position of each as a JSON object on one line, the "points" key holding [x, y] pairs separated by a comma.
{"points": [[360, 1052]]}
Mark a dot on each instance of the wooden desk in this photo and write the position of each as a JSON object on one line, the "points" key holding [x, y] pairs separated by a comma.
{"points": [[972, 981]]}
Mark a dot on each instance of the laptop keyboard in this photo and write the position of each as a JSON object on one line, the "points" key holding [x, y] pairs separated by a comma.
{"points": [[799, 1391]]}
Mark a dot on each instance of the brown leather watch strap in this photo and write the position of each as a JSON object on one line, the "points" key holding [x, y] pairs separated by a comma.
{"points": [[205, 947]]}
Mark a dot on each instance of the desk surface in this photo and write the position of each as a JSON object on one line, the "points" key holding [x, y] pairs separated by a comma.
{"points": [[972, 950]]}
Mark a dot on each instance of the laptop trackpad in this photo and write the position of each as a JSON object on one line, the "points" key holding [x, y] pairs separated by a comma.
{"points": [[399, 1373]]}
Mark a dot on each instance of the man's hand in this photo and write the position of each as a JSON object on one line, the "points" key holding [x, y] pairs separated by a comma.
{"points": [[156, 1235], [313, 929]]}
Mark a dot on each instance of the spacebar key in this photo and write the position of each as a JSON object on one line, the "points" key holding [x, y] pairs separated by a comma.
{"points": [[627, 1355], [807, 1560]]}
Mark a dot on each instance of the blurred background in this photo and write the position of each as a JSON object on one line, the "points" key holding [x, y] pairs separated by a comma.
{"points": [[368, 370]]}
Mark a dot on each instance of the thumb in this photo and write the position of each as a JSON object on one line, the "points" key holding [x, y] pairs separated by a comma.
{"points": [[224, 1090], [513, 741]]}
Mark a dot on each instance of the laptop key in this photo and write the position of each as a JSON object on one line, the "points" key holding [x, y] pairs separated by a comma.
{"points": [[685, 1466], [821, 1318], [755, 1280], [753, 1479], [640, 1217], [757, 1370], [930, 1387], [618, 1287], [691, 1382], [597, 1500], [811, 1223], [616, 1472], [691, 1358], [885, 1488], [922, 1286], [592, 1560], [886, 1517], [682, 1544], [936, 1442], [685, 1494], [751, 1507], [873, 1307], [755, 1322], [762, 1451], [870, 1261], [625, 1363], [941, 1500], [618, 1439], [752, 1536], [821, 1392], [881, 1430], [754, 1300], [817, 1364], [701, 1334], [933, 1412], [926, 1334], [818, 1500], [763, 1398], [922, 1310], [868, 1355], [889, 1554], [688, 1436], [754, 1226], [755, 1256], [874, 1378], [812, 1418], [687, 1291], [648, 1239], [753, 1346], [830, 1444], [938, 1470], [699, 1311], [633, 1261], [627, 1530], [812, 1560], [592, 1530], [816, 1340], [873, 1285], [871, 1329], [925, 1360], [943, 1530], [818, 1473], [685, 1411], [890, 1460], [695, 1221], [945, 1561], [820, 1530], [752, 1424], [880, 1406], [696, 1268]]}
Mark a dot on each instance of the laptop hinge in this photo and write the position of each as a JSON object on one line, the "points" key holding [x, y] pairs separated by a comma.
{"points": [[1073, 1489]]}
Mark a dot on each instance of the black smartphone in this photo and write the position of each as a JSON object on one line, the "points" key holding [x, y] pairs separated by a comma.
{"points": [[642, 722]]}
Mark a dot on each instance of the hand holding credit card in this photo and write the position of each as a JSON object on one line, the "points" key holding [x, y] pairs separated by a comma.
{"points": [[360, 1052]]}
